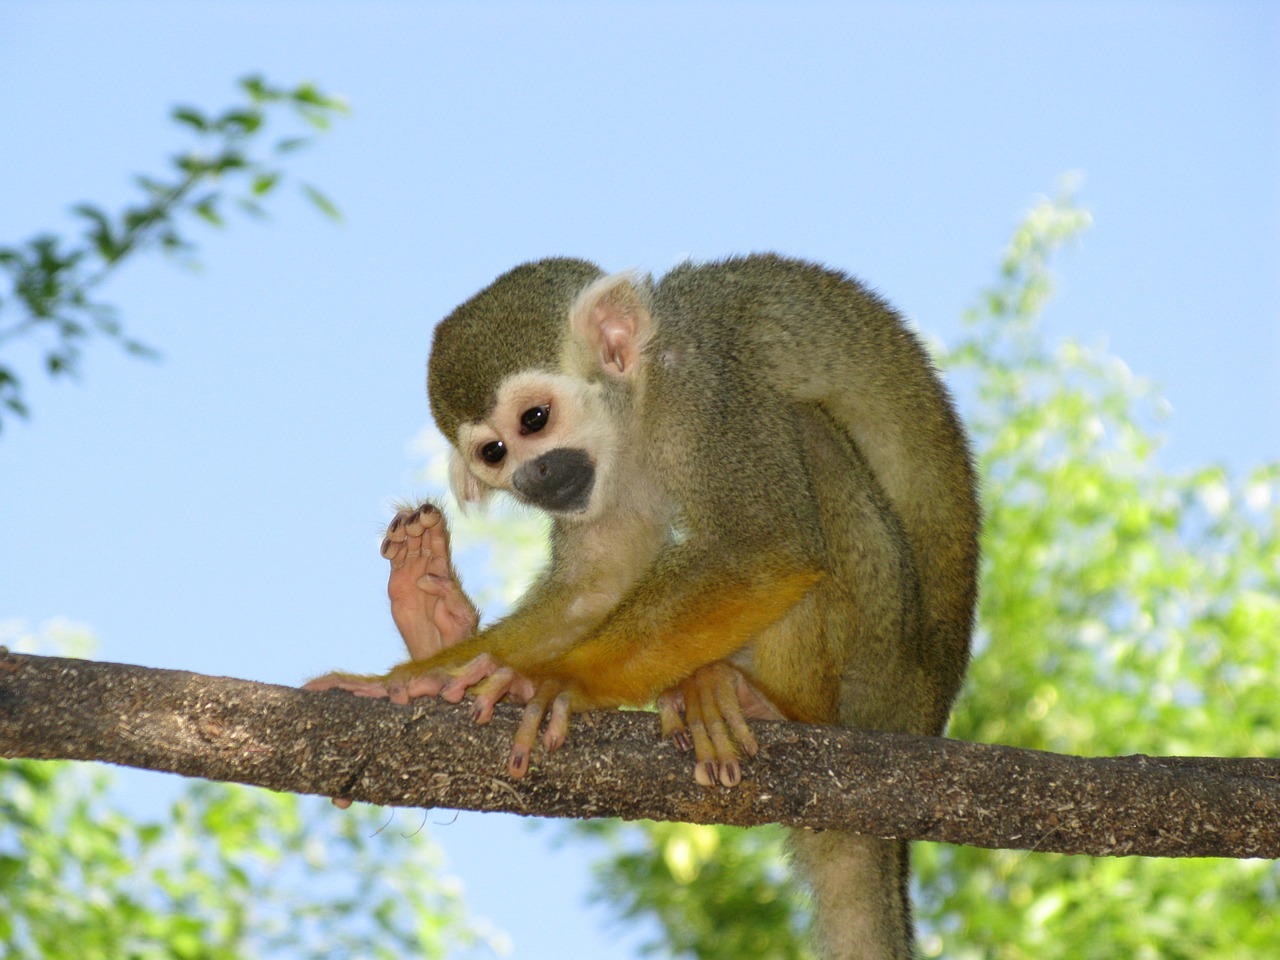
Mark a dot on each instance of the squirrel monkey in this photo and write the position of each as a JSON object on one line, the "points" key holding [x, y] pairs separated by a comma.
{"points": [[763, 506]]}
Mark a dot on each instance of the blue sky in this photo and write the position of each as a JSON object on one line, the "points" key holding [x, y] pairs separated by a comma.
{"points": [[220, 511]]}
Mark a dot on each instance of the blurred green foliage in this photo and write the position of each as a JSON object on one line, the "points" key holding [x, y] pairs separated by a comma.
{"points": [[221, 872], [50, 286], [1123, 610]]}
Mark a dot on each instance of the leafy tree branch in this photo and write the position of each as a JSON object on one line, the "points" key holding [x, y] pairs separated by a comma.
{"points": [[51, 283]]}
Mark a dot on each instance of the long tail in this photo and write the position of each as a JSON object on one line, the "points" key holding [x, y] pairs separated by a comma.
{"points": [[861, 904]]}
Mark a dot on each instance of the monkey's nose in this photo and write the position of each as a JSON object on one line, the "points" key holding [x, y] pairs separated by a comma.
{"points": [[560, 479]]}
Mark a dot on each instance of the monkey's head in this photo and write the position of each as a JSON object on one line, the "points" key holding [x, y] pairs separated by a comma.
{"points": [[533, 382]]}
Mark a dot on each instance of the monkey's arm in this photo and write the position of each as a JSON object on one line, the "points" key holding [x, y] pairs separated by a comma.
{"points": [[641, 649]]}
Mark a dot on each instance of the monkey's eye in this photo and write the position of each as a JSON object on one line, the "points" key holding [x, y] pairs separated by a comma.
{"points": [[493, 452], [535, 418]]}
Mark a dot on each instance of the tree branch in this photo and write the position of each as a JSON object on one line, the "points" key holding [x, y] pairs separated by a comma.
{"points": [[431, 755]]}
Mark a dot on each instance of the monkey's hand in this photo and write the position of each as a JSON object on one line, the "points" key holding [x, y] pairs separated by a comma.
{"points": [[710, 707], [486, 680], [429, 608], [428, 604]]}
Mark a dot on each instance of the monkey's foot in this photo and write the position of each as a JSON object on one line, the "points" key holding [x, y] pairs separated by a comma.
{"points": [[709, 711], [427, 602]]}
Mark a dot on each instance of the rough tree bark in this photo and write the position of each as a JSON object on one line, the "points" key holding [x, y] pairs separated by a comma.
{"points": [[431, 755]]}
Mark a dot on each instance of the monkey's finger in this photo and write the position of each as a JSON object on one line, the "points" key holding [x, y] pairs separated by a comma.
{"points": [[398, 692], [705, 769], [527, 734], [426, 516], [557, 731], [669, 716], [456, 619], [393, 550], [427, 684], [360, 686], [395, 529], [435, 585], [436, 547], [471, 673], [341, 802], [489, 691], [453, 614], [725, 690], [755, 704], [726, 755]]}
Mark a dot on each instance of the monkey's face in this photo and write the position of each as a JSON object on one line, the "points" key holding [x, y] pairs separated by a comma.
{"points": [[548, 441]]}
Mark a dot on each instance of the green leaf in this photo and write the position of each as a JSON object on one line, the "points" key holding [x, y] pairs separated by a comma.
{"points": [[227, 161], [152, 186], [139, 349], [192, 164], [323, 203], [251, 207], [100, 233], [308, 94], [240, 121], [264, 183], [207, 210], [256, 87], [191, 117], [291, 144]]}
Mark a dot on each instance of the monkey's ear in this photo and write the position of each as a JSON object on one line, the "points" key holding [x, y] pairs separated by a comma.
{"points": [[466, 488], [611, 320]]}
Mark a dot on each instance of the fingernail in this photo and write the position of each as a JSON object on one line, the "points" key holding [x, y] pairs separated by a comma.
{"points": [[712, 772], [395, 522], [517, 760], [682, 740]]}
